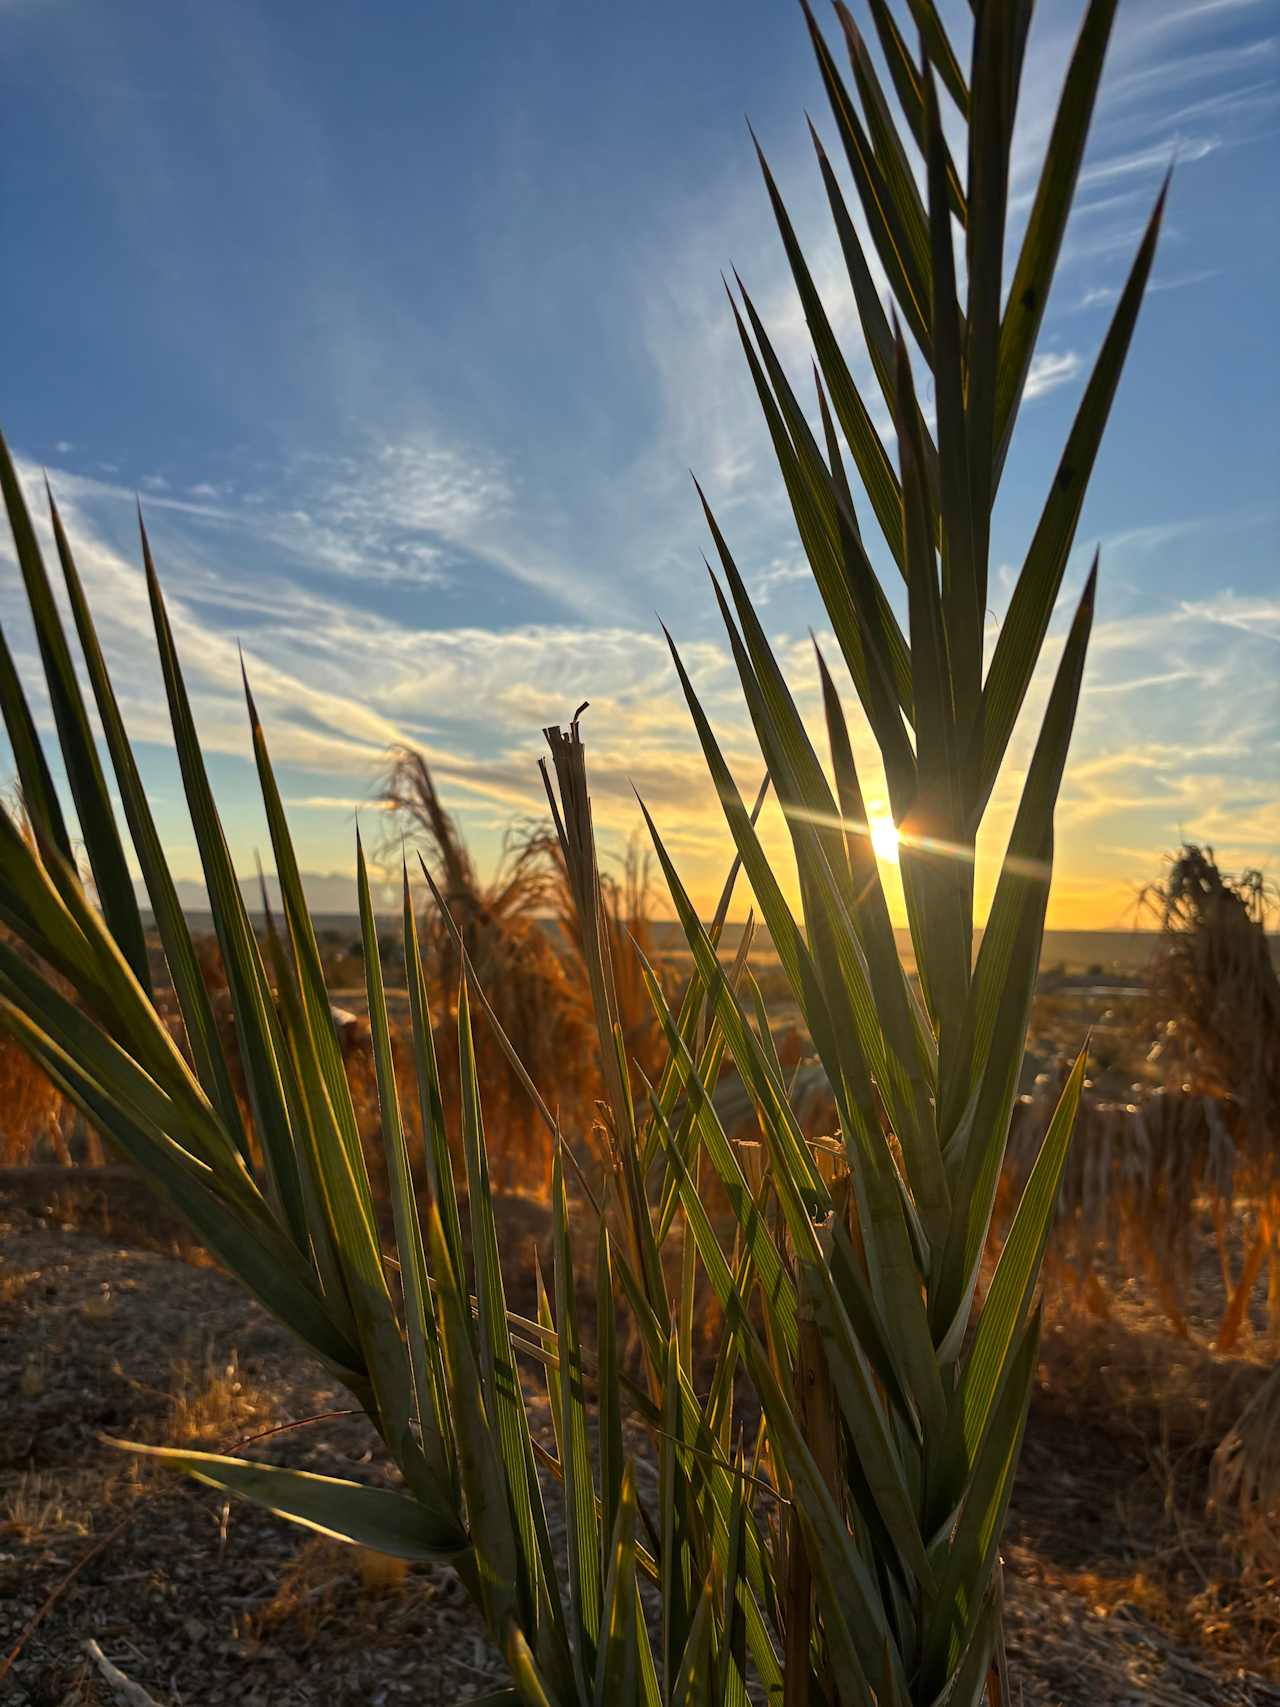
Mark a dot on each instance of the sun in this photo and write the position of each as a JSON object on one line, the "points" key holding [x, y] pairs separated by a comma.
{"points": [[884, 839]]}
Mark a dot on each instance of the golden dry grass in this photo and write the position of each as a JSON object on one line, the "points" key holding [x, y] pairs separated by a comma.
{"points": [[32, 1113]]}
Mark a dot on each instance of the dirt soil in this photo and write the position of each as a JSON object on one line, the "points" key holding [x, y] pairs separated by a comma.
{"points": [[1117, 1591]]}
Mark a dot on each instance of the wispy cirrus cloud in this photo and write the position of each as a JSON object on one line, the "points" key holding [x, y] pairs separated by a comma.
{"points": [[411, 510], [1104, 296], [1049, 370]]}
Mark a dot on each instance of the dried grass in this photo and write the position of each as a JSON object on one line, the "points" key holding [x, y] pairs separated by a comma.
{"points": [[1135, 1177], [43, 1507], [1215, 995], [211, 1399], [1141, 1168], [522, 933], [1245, 1480], [33, 1115]]}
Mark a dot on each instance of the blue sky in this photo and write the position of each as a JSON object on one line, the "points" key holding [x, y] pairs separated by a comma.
{"points": [[406, 324]]}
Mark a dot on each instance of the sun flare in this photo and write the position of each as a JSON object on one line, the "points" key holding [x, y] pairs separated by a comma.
{"points": [[884, 839]]}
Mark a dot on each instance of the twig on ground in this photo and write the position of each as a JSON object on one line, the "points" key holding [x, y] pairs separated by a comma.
{"points": [[117, 1529], [132, 1693]]}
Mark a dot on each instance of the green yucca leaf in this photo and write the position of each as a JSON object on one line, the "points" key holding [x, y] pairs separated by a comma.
{"points": [[967, 1684], [505, 1400], [48, 909], [697, 1026], [835, 458], [854, 1039], [1024, 876], [880, 1200], [967, 1557], [863, 621], [318, 1014], [894, 1273], [757, 1241], [608, 1386], [960, 579], [1000, 997], [681, 1135], [732, 1689], [530, 1685], [688, 1283], [935, 871], [338, 1152], [650, 1688], [899, 1010], [676, 1580], [854, 1615], [1008, 1299], [881, 654], [175, 937], [1025, 870], [823, 533], [435, 1146], [691, 1427], [802, 788], [776, 1289], [617, 1676], [1037, 258], [690, 1027], [79, 751], [764, 1031], [758, 1245], [881, 700], [584, 1537], [720, 1394], [747, 1053], [990, 135], [885, 220], [246, 979], [378, 1518], [571, 815], [788, 942], [891, 157], [425, 1362], [245, 1239], [551, 1368], [431, 1105], [146, 1101], [938, 47], [286, 1033], [876, 331], [501, 1377], [864, 441], [39, 794], [1036, 591], [852, 1381], [909, 85], [695, 1677], [484, 1486]]}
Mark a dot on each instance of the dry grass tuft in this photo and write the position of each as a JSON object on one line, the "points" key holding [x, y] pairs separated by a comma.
{"points": [[42, 1507], [522, 933], [211, 1399], [1214, 990], [1245, 1480], [1199, 1133], [32, 1112], [538, 1002], [330, 1591]]}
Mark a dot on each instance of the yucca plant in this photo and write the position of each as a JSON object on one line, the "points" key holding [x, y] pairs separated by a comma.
{"points": [[830, 1491]]}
